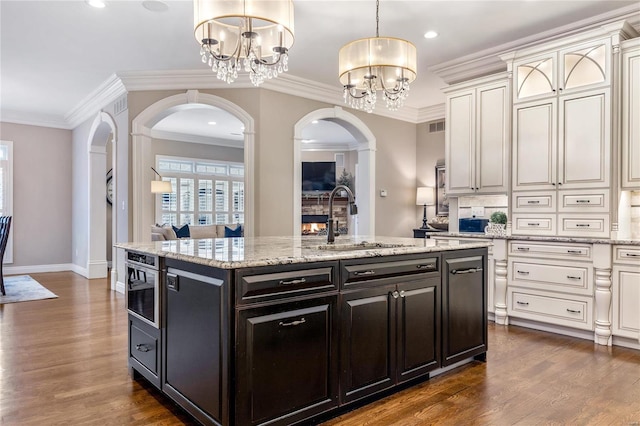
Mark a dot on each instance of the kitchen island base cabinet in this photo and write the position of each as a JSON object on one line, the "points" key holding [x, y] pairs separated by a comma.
{"points": [[144, 351], [195, 349], [287, 365], [464, 319]]}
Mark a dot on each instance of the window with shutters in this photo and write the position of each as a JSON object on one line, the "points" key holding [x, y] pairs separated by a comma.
{"points": [[6, 192], [204, 192]]}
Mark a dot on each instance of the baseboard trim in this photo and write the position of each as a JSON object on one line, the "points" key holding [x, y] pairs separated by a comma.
{"points": [[97, 269], [34, 269], [550, 328], [119, 287]]}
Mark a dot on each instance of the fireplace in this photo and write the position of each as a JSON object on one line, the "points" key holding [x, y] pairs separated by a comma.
{"points": [[312, 224]]}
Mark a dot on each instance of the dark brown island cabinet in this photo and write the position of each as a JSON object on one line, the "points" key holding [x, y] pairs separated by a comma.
{"points": [[290, 344]]}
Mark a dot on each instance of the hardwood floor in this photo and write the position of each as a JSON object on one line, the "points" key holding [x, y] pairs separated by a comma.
{"points": [[64, 362]]}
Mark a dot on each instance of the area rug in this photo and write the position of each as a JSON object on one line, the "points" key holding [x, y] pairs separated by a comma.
{"points": [[22, 288]]}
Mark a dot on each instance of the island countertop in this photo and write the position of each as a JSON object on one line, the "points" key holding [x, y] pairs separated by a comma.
{"points": [[246, 252]]}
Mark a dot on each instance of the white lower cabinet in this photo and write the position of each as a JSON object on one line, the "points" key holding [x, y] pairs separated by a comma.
{"points": [[626, 292], [551, 283]]}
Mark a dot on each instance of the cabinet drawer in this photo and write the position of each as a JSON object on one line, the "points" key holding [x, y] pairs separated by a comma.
{"points": [[554, 277], [143, 345], [584, 226], [358, 271], [534, 202], [596, 201], [550, 250], [268, 283], [534, 224], [627, 254], [574, 311]]}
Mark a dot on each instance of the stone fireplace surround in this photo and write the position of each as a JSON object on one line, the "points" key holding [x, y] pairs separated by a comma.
{"points": [[315, 209]]}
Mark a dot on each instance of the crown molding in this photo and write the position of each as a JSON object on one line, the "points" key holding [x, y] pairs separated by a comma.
{"points": [[205, 140], [110, 90], [431, 113], [488, 61], [33, 119]]}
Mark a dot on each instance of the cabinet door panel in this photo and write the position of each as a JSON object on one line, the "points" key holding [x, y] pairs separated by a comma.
{"points": [[418, 328], [630, 122], [626, 301], [461, 140], [367, 342], [584, 155], [285, 360], [492, 146], [535, 146]]}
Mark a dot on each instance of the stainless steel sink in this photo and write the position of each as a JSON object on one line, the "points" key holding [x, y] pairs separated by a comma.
{"points": [[358, 246]]}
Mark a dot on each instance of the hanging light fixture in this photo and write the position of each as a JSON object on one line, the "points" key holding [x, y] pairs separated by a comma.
{"points": [[377, 63], [250, 35]]}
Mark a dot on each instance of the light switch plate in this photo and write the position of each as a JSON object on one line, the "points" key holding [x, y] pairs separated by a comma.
{"points": [[477, 211]]}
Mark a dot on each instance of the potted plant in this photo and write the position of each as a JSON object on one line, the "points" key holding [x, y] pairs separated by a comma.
{"points": [[497, 224]]}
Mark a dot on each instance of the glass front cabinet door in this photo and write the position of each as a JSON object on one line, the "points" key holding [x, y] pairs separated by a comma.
{"points": [[578, 67]]}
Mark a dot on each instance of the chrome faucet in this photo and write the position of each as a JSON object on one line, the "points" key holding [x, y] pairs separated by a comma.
{"points": [[353, 210]]}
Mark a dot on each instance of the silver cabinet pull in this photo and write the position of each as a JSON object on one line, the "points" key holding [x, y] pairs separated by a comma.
{"points": [[395, 294], [363, 273], [465, 271], [293, 282], [583, 201], [574, 251], [573, 278], [523, 272], [143, 348], [522, 303], [573, 311], [292, 323], [401, 293], [533, 202], [430, 266], [632, 254], [533, 223], [522, 248], [582, 225]]}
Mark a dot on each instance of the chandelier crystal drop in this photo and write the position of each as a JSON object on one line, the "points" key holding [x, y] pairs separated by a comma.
{"points": [[368, 65], [252, 36]]}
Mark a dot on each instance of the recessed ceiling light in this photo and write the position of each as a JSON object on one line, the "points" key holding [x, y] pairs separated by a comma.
{"points": [[307, 140], [213, 123], [314, 122], [96, 3], [430, 34], [155, 5]]}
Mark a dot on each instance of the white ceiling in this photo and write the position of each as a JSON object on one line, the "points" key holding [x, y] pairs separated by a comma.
{"points": [[54, 54]]}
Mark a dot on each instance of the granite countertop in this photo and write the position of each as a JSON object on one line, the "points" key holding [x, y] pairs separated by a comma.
{"points": [[231, 253], [471, 235]]}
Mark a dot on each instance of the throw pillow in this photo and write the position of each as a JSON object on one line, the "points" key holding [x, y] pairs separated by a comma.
{"points": [[229, 233], [182, 232]]}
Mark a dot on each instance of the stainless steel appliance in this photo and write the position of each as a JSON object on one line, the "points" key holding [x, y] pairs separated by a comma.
{"points": [[143, 287]]}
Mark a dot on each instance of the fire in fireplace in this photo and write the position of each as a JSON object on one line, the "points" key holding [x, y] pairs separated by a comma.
{"points": [[312, 224]]}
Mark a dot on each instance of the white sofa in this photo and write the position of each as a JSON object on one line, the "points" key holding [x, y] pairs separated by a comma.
{"points": [[166, 232]]}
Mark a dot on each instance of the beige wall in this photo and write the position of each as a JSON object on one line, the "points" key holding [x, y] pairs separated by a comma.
{"points": [[196, 150], [42, 194], [429, 152]]}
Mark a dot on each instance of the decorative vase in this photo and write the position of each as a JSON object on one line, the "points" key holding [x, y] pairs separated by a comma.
{"points": [[496, 229]]}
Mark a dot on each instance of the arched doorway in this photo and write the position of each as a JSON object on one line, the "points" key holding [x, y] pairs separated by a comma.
{"points": [[141, 164], [103, 132], [365, 181]]}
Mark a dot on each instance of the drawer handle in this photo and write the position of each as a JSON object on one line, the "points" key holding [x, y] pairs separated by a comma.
{"points": [[292, 323], [293, 282], [430, 267], [522, 303], [523, 272], [573, 311], [363, 273], [465, 271], [143, 348], [522, 248], [533, 202], [573, 278], [632, 254], [533, 224], [575, 251], [583, 201], [582, 225]]}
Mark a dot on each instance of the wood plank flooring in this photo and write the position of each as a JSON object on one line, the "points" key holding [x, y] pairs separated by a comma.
{"points": [[64, 362]]}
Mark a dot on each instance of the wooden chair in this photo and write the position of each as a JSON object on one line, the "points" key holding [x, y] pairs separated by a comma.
{"points": [[5, 225]]}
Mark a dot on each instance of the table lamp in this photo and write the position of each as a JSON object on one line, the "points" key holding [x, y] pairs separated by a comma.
{"points": [[425, 196]]}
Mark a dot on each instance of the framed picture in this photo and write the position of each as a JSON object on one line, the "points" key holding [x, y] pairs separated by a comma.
{"points": [[442, 202]]}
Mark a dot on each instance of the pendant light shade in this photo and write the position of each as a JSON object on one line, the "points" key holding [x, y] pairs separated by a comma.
{"points": [[244, 35]]}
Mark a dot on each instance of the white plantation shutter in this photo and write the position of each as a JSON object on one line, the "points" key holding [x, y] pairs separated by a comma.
{"points": [[6, 192], [204, 192]]}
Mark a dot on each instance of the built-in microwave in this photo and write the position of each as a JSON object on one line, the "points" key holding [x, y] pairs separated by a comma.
{"points": [[143, 287]]}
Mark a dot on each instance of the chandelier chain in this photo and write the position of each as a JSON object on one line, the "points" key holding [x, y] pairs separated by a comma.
{"points": [[377, 18]]}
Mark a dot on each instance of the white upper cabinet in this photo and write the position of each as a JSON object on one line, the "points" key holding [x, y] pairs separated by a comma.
{"points": [[477, 137], [630, 158], [582, 66]]}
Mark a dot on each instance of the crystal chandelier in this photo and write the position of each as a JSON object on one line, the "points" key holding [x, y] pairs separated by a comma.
{"points": [[377, 63], [250, 35]]}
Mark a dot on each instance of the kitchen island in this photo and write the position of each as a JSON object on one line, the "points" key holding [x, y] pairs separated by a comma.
{"points": [[284, 330]]}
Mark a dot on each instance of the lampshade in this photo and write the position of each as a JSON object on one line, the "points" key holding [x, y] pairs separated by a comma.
{"points": [[161, 187], [425, 195]]}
